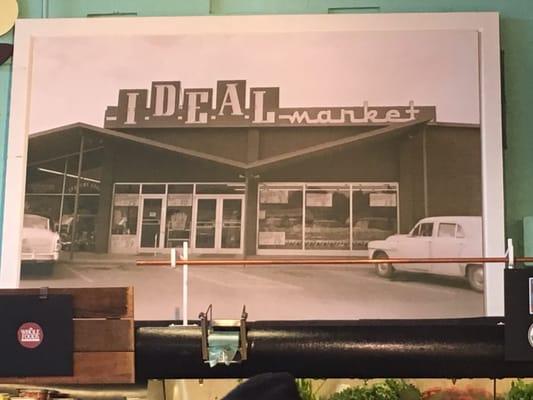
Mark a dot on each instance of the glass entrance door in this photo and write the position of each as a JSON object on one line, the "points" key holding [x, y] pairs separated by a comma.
{"points": [[231, 224], [151, 223], [206, 222], [218, 224]]}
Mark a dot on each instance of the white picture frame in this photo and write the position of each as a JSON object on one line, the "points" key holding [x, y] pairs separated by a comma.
{"points": [[485, 24]]}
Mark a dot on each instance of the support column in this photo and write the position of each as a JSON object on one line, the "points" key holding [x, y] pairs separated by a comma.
{"points": [[250, 223], [103, 217], [77, 197], [250, 199]]}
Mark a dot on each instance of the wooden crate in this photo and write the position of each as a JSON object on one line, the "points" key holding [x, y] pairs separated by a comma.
{"points": [[104, 348]]}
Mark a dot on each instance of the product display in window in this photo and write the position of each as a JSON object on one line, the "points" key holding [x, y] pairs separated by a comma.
{"points": [[280, 218]]}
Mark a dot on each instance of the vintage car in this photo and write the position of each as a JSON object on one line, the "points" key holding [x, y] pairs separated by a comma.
{"points": [[40, 245], [435, 237]]}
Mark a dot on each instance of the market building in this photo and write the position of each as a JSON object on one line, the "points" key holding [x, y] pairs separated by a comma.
{"points": [[231, 172]]}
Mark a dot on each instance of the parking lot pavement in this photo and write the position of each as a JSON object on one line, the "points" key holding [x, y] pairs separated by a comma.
{"points": [[275, 292]]}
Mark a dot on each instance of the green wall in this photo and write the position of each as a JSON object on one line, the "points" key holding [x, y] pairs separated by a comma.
{"points": [[517, 43]]}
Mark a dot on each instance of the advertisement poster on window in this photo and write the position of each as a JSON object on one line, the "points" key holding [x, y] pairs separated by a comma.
{"points": [[305, 150]]}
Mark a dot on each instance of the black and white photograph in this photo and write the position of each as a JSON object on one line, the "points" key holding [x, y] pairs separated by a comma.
{"points": [[530, 296], [333, 144]]}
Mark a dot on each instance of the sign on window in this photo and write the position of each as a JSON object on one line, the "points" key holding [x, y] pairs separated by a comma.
{"points": [[319, 199], [382, 199], [274, 196], [272, 238], [126, 200]]}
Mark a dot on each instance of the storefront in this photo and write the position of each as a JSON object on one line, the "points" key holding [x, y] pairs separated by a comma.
{"points": [[285, 182], [336, 217], [148, 217]]}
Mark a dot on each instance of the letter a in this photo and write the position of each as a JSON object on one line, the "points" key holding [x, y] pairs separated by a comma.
{"points": [[231, 99]]}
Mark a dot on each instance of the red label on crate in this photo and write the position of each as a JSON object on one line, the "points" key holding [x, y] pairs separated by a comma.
{"points": [[30, 335]]}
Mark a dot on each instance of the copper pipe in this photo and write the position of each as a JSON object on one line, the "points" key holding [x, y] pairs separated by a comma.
{"points": [[338, 261]]}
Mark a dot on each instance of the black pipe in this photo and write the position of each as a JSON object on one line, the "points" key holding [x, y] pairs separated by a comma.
{"points": [[453, 348]]}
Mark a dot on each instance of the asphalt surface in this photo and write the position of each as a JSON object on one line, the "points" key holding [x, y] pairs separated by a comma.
{"points": [[274, 292]]}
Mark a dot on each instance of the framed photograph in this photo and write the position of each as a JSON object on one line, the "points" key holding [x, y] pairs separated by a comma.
{"points": [[295, 136], [531, 296]]}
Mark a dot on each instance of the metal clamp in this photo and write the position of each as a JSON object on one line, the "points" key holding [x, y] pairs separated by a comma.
{"points": [[223, 341]]}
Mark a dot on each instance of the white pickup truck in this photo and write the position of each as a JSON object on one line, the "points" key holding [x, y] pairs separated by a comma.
{"points": [[435, 237]]}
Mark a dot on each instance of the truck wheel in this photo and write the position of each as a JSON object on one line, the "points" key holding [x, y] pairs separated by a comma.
{"points": [[385, 269], [475, 276]]}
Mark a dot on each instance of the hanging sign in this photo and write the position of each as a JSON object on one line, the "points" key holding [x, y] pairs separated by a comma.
{"points": [[382, 199], [274, 196], [179, 200], [126, 200], [272, 238], [319, 199]]}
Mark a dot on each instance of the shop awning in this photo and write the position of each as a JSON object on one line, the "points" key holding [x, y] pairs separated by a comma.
{"points": [[335, 145], [64, 141]]}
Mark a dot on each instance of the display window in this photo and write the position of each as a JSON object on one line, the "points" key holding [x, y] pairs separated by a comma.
{"points": [[335, 217], [124, 218], [280, 217], [327, 218], [374, 215]]}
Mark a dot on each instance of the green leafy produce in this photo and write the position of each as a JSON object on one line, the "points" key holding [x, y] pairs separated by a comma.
{"points": [[306, 391], [390, 389], [520, 391]]}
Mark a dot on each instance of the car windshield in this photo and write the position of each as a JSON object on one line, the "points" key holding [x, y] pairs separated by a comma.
{"points": [[415, 231], [35, 221]]}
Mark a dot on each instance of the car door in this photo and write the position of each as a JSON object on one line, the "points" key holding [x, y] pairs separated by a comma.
{"points": [[449, 242], [416, 245]]}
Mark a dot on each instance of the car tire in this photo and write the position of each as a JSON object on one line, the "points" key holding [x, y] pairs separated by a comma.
{"points": [[475, 276], [385, 269]]}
